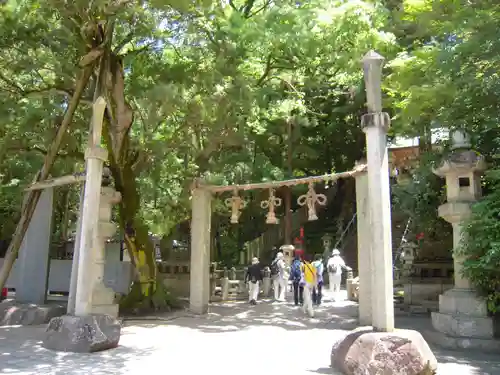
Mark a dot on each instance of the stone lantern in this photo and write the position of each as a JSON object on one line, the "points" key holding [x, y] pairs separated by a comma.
{"points": [[287, 253], [327, 243], [408, 257], [462, 318]]}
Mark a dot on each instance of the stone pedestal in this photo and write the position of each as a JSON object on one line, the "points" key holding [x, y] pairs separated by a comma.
{"points": [[462, 320], [82, 334], [463, 314], [103, 298], [402, 352], [33, 261]]}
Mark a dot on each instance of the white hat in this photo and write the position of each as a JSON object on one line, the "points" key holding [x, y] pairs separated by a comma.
{"points": [[255, 260], [335, 252]]}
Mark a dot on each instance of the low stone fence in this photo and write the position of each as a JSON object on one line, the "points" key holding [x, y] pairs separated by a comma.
{"points": [[229, 284], [175, 276]]}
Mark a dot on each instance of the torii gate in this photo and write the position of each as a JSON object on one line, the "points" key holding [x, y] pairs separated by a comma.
{"points": [[373, 210]]}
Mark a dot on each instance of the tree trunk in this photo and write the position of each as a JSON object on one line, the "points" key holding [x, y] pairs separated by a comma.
{"points": [[146, 291]]}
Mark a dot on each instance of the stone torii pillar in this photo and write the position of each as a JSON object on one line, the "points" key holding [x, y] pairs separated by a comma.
{"points": [[365, 265], [375, 124], [85, 332], [199, 289], [377, 347]]}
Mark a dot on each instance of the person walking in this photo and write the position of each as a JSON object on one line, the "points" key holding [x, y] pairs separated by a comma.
{"points": [[278, 268], [296, 278], [254, 278], [334, 267], [310, 279], [317, 290]]}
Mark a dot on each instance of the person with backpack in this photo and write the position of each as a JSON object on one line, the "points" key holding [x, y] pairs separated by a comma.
{"points": [[278, 276], [309, 280], [334, 267], [317, 290], [295, 278], [254, 278]]}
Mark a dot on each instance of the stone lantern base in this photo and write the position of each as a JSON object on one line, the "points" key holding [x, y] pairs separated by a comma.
{"points": [[463, 322]]}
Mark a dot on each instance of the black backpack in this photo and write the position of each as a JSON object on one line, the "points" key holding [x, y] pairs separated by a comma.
{"points": [[274, 268], [333, 268]]}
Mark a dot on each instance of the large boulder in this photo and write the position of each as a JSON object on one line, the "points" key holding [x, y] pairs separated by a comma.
{"points": [[366, 352], [82, 334]]}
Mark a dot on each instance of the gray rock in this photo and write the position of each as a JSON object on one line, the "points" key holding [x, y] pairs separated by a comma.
{"points": [[82, 334], [402, 352], [12, 313]]}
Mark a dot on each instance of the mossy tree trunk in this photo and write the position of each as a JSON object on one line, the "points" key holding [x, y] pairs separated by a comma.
{"points": [[145, 292]]}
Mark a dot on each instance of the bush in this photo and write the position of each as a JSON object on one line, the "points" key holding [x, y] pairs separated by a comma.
{"points": [[482, 247]]}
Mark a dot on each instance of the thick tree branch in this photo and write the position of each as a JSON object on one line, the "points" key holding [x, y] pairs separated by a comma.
{"points": [[55, 89], [139, 50], [266, 4], [267, 70], [231, 4], [123, 43], [247, 8], [41, 150]]}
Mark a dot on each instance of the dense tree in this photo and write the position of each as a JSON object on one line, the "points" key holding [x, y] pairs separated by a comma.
{"points": [[203, 89], [452, 81]]}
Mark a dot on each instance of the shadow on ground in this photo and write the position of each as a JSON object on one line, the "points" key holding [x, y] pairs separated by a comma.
{"points": [[339, 316], [219, 342], [24, 355], [235, 316]]}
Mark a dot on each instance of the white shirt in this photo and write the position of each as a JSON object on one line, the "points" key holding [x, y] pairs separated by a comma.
{"points": [[282, 268], [337, 261]]}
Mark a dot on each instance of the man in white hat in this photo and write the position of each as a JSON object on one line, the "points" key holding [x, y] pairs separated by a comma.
{"points": [[334, 268], [279, 277]]}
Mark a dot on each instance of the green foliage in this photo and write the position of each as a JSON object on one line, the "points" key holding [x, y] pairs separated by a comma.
{"points": [[419, 197], [481, 245], [213, 87], [448, 78]]}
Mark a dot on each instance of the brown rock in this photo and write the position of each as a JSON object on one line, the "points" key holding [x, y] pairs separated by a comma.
{"points": [[365, 352]]}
